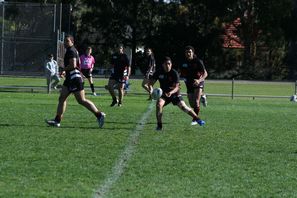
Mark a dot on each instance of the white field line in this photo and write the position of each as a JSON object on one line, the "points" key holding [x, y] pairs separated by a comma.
{"points": [[123, 159]]}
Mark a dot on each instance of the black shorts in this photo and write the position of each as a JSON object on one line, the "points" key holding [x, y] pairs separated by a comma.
{"points": [[73, 85], [191, 87], [86, 72], [175, 99], [118, 78]]}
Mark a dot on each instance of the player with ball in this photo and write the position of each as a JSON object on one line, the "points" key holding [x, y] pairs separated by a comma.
{"points": [[170, 86]]}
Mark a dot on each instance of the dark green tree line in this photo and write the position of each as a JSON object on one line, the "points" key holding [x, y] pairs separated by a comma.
{"points": [[267, 31]]}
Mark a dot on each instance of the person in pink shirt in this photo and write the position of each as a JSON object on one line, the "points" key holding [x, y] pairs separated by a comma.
{"points": [[87, 62]]}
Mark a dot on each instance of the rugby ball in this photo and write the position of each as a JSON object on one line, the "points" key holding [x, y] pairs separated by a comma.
{"points": [[157, 93]]}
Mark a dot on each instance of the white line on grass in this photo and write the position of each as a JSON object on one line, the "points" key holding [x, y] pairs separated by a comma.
{"points": [[128, 151]]}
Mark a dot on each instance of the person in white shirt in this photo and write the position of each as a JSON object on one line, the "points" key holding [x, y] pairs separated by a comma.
{"points": [[51, 73]]}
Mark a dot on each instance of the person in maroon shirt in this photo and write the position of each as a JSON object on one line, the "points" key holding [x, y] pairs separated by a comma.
{"points": [[169, 83], [194, 73]]}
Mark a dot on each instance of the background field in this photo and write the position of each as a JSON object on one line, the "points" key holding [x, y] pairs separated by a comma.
{"points": [[247, 148]]}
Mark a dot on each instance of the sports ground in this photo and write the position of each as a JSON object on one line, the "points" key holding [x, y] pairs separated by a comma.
{"points": [[246, 149]]}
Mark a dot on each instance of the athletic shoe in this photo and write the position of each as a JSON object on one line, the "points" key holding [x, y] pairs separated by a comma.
{"points": [[194, 122], [100, 119], [94, 94], [114, 102], [201, 122], [159, 128], [119, 104], [52, 123], [203, 100]]}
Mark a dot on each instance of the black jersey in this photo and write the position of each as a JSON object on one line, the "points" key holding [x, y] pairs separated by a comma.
{"points": [[71, 52], [150, 65], [192, 69], [168, 80], [120, 63]]}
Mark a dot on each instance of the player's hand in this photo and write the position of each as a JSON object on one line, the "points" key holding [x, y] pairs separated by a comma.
{"points": [[62, 74], [196, 83], [168, 94]]}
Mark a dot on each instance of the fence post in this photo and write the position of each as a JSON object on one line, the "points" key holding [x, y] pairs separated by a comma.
{"points": [[232, 91], [2, 37]]}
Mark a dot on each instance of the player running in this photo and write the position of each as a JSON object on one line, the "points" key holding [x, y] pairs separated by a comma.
{"points": [[194, 73], [73, 84], [150, 66], [169, 83]]}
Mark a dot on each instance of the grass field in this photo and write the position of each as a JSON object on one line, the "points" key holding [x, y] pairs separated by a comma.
{"points": [[248, 148]]}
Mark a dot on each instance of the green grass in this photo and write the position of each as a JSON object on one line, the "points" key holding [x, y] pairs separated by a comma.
{"points": [[247, 148]]}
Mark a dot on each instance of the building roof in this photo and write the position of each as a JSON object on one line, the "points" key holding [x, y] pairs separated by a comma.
{"points": [[231, 39]]}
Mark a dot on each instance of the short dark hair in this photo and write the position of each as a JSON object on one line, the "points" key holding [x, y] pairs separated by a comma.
{"points": [[70, 37], [189, 47], [167, 58], [50, 55]]}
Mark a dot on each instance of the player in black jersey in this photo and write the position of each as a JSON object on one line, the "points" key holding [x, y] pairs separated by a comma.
{"points": [[169, 83], [73, 84], [121, 71], [150, 68], [194, 73]]}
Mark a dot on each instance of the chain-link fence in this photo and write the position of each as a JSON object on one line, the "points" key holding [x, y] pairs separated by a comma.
{"points": [[29, 32]]}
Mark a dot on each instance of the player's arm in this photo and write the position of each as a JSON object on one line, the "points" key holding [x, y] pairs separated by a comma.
{"points": [[93, 63], [202, 77], [72, 64]]}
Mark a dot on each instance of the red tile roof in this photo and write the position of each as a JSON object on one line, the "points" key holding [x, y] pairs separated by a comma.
{"points": [[231, 39]]}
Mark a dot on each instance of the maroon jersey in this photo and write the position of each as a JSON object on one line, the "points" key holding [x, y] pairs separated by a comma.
{"points": [[192, 69]]}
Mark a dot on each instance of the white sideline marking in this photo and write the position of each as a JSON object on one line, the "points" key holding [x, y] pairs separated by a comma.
{"points": [[123, 159]]}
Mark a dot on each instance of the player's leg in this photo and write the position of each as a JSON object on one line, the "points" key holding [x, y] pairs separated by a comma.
{"points": [[111, 84], [62, 101], [121, 93], [145, 85], [61, 107], [195, 119], [56, 80], [81, 99], [91, 82], [149, 88], [159, 112], [48, 83], [196, 99]]}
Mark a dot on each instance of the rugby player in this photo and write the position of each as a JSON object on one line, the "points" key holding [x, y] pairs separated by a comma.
{"points": [[73, 84], [169, 83], [121, 70]]}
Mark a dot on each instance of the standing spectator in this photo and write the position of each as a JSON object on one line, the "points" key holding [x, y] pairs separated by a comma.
{"points": [[51, 73], [120, 75], [194, 73], [169, 83], [87, 64], [150, 68], [73, 84]]}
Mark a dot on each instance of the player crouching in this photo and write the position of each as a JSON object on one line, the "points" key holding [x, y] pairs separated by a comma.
{"points": [[169, 83]]}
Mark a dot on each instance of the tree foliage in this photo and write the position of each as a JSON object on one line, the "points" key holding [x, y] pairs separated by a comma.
{"points": [[267, 31]]}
